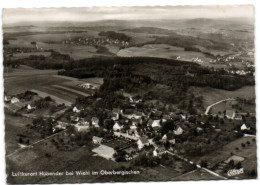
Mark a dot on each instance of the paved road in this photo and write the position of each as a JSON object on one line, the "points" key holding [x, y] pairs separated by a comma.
{"points": [[210, 106]]}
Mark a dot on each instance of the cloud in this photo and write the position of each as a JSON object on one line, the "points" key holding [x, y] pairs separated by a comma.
{"points": [[125, 13]]}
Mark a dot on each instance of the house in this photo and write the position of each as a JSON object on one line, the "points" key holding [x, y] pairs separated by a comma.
{"points": [[157, 114], [178, 131], [14, 100], [128, 113], [60, 126], [136, 121], [82, 126], [29, 107], [97, 140], [137, 115], [189, 74], [74, 119], [154, 123], [117, 127], [155, 152], [114, 116], [143, 141], [95, 122], [117, 111], [165, 118], [77, 108], [244, 127], [7, 98], [164, 138], [230, 114], [199, 130]]}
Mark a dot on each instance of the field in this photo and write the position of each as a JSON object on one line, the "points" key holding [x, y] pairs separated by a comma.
{"points": [[211, 95], [37, 160], [162, 51], [14, 125], [248, 152], [197, 174], [47, 83]]}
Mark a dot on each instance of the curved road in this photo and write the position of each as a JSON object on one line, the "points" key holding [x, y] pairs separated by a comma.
{"points": [[210, 106]]}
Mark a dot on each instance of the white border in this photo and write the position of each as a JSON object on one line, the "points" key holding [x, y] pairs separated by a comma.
{"points": [[82, 3]]}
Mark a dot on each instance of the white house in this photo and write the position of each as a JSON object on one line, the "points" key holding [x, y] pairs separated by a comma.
{"points": [[95, 122], [77, 108], [7, 98], [14, 100], [117, 126], [154, 123], [179, 131], [244, 127], [164, 138], [29, 107], [82, 126], [97, 140], [143, 141], [155, 152]]}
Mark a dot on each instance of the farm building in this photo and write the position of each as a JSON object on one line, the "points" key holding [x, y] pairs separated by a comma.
{"points": [[15, 100], [97, 140], [155, 152], [143, 141]]}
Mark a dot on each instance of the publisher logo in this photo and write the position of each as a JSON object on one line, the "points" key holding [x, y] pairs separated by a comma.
{"points": [[234, 172]]}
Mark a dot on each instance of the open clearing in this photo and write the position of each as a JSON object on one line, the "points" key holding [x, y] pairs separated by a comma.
{"points": [[211, 95], [104, 151], [162, 51], [14, 126]]}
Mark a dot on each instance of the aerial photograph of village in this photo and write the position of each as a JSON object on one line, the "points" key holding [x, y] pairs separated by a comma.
{"points": [[129, 94]]}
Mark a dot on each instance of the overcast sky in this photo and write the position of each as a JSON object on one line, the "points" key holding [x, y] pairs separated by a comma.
{"points": [[125, 13]]}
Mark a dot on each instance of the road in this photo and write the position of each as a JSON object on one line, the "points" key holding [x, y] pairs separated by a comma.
{"points": [[210, 106], [31, 145], [197, 165]]}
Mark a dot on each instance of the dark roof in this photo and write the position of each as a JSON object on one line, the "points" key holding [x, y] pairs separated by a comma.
{"points": [[116, 110], [150, 122], [129, 111], [138, 113], [157, 113], [144, 140]]}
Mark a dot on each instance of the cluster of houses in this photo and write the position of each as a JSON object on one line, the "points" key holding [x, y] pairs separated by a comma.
{"points": [[95, 41], [88, 86]]}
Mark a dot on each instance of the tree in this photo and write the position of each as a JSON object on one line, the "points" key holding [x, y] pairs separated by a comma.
{"points": [[20, 140]]}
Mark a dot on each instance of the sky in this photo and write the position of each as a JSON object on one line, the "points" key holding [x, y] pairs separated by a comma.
{"points": [[88, 14]]}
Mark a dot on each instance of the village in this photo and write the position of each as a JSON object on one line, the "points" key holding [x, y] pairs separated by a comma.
{"points": [[123, 134]]}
